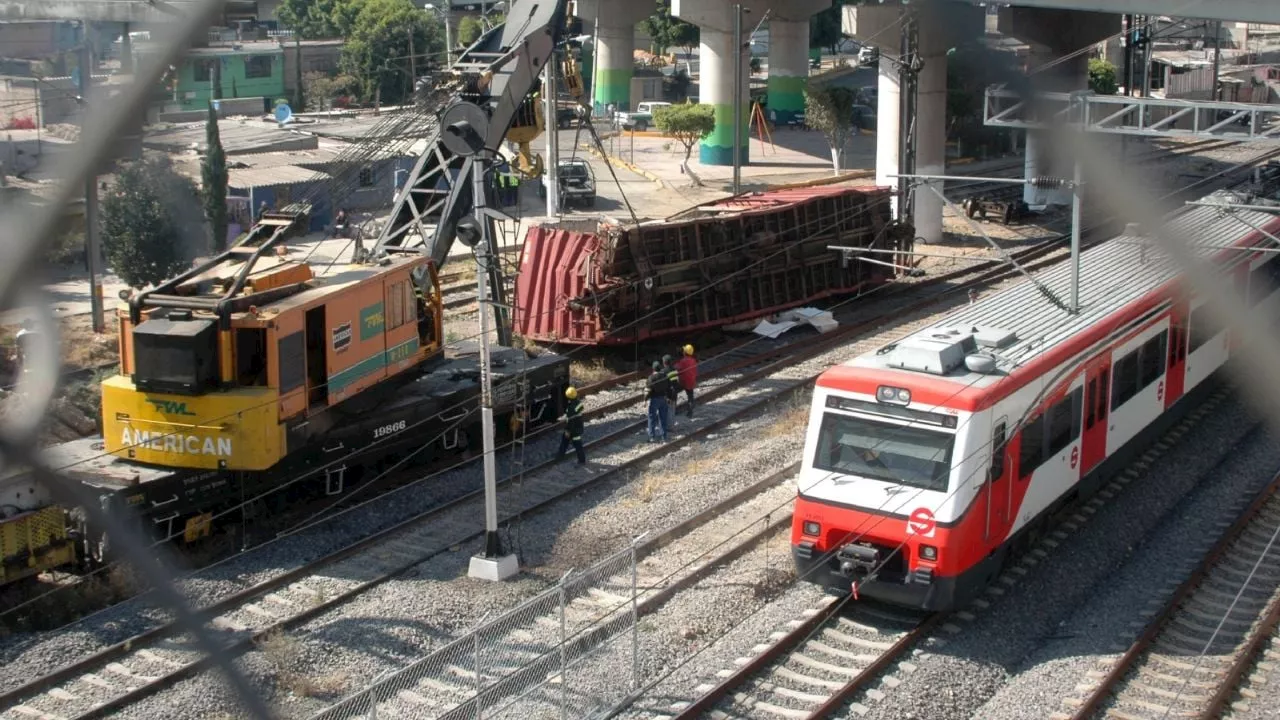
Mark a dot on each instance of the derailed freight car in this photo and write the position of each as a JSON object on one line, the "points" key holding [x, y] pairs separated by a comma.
{"points": [[723, 262]]}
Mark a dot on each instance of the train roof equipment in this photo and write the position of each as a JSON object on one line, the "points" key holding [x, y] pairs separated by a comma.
{"points": [[1005, 340]]}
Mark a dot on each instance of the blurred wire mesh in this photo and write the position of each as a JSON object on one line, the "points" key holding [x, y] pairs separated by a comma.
{"points": [[567, 652], [572, 650]]}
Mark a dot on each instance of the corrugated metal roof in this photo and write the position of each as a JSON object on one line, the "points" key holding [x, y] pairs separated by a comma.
{"points": [[1118, 272], [773, 200], [274, 176]]}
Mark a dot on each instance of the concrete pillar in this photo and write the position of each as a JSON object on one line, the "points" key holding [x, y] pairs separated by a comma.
{"points": [[615, 54], [613, 59], [788, 69], [1066, 76], [888, 122], [931, 123], [716, 59]]}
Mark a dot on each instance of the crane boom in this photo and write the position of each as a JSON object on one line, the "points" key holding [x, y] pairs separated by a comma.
{"points": [[498, 74]]}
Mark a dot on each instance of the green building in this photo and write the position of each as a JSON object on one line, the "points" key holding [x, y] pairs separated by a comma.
{"points": [[249, 70]]}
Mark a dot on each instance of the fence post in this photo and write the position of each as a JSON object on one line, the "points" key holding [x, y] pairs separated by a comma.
{"points": [[373, 705], [635, 618], [479, 677], [564, 653]]}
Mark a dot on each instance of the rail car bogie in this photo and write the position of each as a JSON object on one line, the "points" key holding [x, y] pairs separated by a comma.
{"points": [[927, 462]]}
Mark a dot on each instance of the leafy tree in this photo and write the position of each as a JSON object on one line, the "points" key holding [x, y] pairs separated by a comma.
{"points": [[469, 30], [213, 173], [319, 18], [379, 35], [687, 123], [970, 70], [830, 110], [666, 31], [826, 28], [756, 64], [320, 89], [1102, 77], [149, 229]]}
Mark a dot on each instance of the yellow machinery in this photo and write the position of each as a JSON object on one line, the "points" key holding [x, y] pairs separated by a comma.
{"points": [[530, 122], [218, 362]]}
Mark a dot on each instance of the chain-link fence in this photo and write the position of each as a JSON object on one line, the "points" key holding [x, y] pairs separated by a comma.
{"points": [[567, 653]]}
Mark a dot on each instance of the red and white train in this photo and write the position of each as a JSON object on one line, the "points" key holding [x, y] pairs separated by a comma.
{"points": [[926, 461]]}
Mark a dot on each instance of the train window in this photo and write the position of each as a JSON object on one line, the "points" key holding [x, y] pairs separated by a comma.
{"points": [[1064, 422], [1093, 403], [1031, 448], [1125, 385], [292, 360], [998, 446], [1151, 359], [1202, 328], [251, 356], [401, 307], [1102, 396], [1262, 279], [901, 454]]}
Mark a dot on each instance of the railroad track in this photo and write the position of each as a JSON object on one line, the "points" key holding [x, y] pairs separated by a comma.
{"points": [[821, 665], [531, 647], [817, 665], [125, 672], [1203, 639]]}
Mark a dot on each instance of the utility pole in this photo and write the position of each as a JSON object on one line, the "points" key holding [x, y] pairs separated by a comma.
{"points": [[1217, 57], [737, 99], [413, 64], [551, 126], [595, 65], [448, 34], [492, 563], [91, 251]]}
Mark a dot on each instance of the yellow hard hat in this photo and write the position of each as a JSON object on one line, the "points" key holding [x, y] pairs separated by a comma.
{"points": [[571, 392], [688, 349]]}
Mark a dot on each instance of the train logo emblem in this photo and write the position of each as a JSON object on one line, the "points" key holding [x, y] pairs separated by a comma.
{"points": [[342, 337], [1075, 457], [1160, 390], [921, 523]]}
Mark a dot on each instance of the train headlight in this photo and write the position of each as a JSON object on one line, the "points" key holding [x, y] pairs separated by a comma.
{"points": [[812, 528], [928, 552], [901, 396]]}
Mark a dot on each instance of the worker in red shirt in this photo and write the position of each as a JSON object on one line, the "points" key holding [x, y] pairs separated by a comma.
{"points": [[687, 369]]}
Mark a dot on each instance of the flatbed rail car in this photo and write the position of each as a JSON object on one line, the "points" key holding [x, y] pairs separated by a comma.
{"points": [[930, 460], [716, 264]]}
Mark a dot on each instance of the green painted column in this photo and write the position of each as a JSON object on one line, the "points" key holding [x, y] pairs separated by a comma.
{"points": [[716, 57], [788, 70], [616, 58]]}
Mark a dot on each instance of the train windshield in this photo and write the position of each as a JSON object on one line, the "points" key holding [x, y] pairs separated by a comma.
{"points": [[901, 454]]}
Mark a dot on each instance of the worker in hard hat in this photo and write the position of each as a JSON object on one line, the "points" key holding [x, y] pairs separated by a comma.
{"points": [[687, 369], [673, 388], [573, 424]]}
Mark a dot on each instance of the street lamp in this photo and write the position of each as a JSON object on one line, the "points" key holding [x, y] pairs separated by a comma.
{"points": [[443, 12]]}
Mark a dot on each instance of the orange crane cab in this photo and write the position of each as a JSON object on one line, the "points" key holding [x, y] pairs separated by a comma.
{"points": [[217, 362]]}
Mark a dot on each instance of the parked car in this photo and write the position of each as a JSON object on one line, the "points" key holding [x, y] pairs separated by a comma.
{"points": [[566, 117], [864, 117], [642, 118], [868, 55], [576, 183]]}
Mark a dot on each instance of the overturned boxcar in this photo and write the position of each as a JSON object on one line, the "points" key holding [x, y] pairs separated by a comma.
{"points": [[715, 264]]}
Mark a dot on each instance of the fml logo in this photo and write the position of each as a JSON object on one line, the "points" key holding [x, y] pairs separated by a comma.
{"points": [[922, 523], [170, 407]]}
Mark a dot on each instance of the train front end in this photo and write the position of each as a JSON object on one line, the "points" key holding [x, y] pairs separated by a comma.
{"points": [[881, 494]]}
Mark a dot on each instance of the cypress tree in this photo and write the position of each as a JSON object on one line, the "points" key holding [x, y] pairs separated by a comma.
{"points": [[213, 172]]}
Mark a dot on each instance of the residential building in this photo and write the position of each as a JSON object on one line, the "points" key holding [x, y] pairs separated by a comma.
{"points": [[249, 69]]}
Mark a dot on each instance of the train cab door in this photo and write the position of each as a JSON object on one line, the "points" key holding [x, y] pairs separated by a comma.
{"points": [[998, 482], [1175, 376], [1097, 403]]}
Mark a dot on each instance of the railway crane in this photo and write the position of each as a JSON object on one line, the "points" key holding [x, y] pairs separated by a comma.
{"points": [[257, 371]]}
